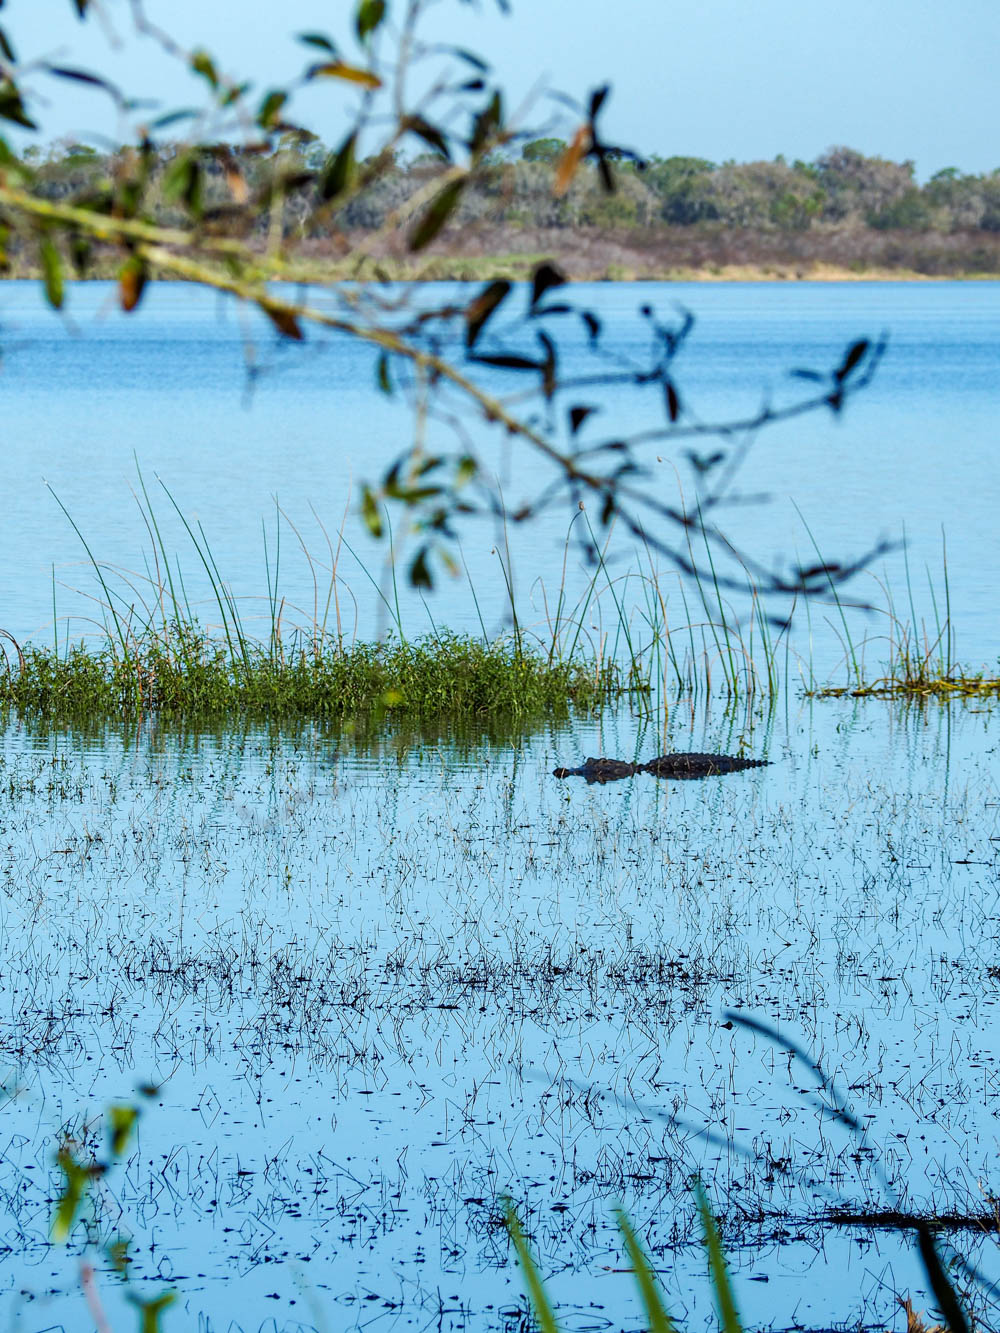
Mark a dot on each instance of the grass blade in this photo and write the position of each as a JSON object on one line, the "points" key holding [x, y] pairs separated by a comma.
{"points": [[649, 1289], [725, 1301], [533, 1280]]}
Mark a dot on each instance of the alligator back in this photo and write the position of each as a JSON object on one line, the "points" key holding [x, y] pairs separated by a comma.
{"points": [[698, 765], [599, 770]]}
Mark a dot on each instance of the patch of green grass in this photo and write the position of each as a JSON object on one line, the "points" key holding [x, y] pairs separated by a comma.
{"points": [[183, 671]]}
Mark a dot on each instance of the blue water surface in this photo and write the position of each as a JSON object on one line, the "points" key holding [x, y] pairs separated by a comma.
{"points": [[91, 399]]}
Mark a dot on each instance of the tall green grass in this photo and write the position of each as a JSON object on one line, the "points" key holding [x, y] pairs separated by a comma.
{"points": [[648, 633]]}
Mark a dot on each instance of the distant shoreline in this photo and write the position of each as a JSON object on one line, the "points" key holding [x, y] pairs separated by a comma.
{"points": [[710, 254], [520, 269]]}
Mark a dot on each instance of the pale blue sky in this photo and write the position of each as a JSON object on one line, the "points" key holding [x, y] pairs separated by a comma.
{"points": [[720, 79]]}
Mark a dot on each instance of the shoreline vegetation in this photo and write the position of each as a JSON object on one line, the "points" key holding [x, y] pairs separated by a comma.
{"points": [[153, 657], [845, 217]]}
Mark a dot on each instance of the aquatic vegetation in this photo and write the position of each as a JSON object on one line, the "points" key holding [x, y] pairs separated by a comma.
{"points": [[186, 671]]}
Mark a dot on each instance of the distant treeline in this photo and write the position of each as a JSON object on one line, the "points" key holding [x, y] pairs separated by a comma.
{"points": [[843, 200]]}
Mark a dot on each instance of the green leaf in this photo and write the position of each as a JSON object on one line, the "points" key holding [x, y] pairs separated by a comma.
{"points": [[438, 212], [52, 272], [122, 1120], [270, 108], [202, 63], [337, 69], [656, 1315], [370, 14], [371, 513], [536, 1291], [340, 169], [6, 48], [725, 1301], [319, 40], [382, 374], [78, 1179], [152, 1309], [183, 180]]}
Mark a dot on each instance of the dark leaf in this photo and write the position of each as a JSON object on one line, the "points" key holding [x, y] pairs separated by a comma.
{"points": [[283, 320], [577, 416], [469, 57], [606, 174], [12, 108], [855, 353], [438, 212], [813, 376], [482, 307], [81, 7], [673, 402], [548, 367], [559, 308], [318, 39], [944, 1292], [508, 362], [597, 99], [814, 571], [546, 277], [370, 14], [704, 462], [487, 123], [382, 374], [80, 253], [593, 325], [171, 118], [607, 510], [81, 76], [6, 49], [270, 108], [52, 272], [420, 574], [836, 400], [340, 169], [429, 133], [472, 86]]}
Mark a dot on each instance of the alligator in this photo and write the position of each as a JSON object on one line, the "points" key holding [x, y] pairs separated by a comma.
{"points": [[664, 766]]}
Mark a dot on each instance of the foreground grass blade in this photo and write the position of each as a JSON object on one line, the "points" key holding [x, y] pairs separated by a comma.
{"points": [[536, 1291], [724, 1299], [656, 1315], [944, 1292]]}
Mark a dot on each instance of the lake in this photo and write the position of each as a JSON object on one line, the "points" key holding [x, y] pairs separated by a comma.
{"points": [[89, 398], [379, 986]]}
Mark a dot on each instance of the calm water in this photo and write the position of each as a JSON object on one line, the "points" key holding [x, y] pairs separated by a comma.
{"points": [[87, 399], [381, 988]]}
